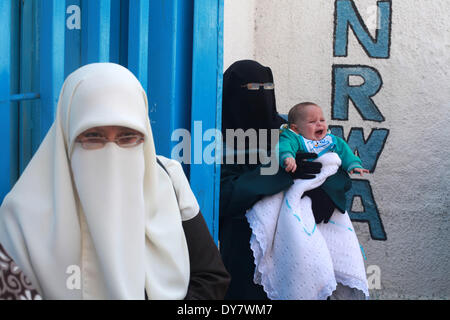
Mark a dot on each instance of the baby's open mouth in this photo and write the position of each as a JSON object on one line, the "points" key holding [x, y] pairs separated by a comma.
{"points": [[319, 132]]}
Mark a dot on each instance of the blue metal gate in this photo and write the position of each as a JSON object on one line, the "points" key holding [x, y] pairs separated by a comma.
{"points": [[174, 48]]}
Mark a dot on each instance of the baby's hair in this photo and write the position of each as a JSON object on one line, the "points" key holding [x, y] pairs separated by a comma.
{"points": [[295, 112]]}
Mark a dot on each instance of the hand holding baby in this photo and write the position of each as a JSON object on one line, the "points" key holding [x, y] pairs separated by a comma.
{"points": [[359, 170], [290, 165]]}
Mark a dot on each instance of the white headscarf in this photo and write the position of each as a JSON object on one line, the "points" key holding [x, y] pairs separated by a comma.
{"points": [[110, 213]]}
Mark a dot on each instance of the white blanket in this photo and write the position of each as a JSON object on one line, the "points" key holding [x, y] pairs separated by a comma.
{"points": [[294, 257]]}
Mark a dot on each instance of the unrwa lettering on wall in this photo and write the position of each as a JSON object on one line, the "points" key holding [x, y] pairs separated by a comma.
{"points": [[346, 17]]}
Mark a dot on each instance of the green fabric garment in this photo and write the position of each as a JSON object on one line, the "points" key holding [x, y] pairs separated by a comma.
{"points": [[242, 185], [290, 143], [336, 186]]}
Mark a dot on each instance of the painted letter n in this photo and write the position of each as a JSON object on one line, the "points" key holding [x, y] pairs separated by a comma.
{"points": [[346, 15]]}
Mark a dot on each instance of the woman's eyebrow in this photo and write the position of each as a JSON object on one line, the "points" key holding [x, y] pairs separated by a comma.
{"points": [[94, 130], [127, 130]]}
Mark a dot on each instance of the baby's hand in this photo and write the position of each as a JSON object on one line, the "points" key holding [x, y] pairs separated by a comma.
{"points": [[290, 165], [359, 170]]}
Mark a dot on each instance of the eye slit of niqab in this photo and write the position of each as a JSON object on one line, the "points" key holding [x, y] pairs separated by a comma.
{"points": [[98, 132], [92, 134], [129, 133]]}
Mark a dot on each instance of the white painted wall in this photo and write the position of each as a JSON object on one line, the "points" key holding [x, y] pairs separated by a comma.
{"points": [[411, 182], [239, 31]]}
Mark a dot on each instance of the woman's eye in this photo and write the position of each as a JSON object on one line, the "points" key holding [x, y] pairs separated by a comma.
{"points": [[127, 134], [92, 134]]}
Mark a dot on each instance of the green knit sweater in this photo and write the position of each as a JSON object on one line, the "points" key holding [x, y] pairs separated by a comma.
{"points": [[290, 143], [336, 185]]}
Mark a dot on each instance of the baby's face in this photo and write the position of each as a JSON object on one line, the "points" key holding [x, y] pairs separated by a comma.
{"points": [[312, 124]]}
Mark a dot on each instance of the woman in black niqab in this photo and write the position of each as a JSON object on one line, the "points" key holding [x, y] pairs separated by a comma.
{"points": [[242, 185], [243, 108]]}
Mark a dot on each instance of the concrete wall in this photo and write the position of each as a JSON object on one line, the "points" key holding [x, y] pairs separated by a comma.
{"points": [[401, 209], [239, 31]]}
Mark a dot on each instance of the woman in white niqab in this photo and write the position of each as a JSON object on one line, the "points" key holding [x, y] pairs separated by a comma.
{"points": [[104, 223]]}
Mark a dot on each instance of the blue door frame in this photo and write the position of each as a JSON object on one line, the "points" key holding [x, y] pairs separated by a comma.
{"points": [[173, 47]]}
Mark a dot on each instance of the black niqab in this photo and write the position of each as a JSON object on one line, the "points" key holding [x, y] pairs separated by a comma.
{"points": [[248, 109]]}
